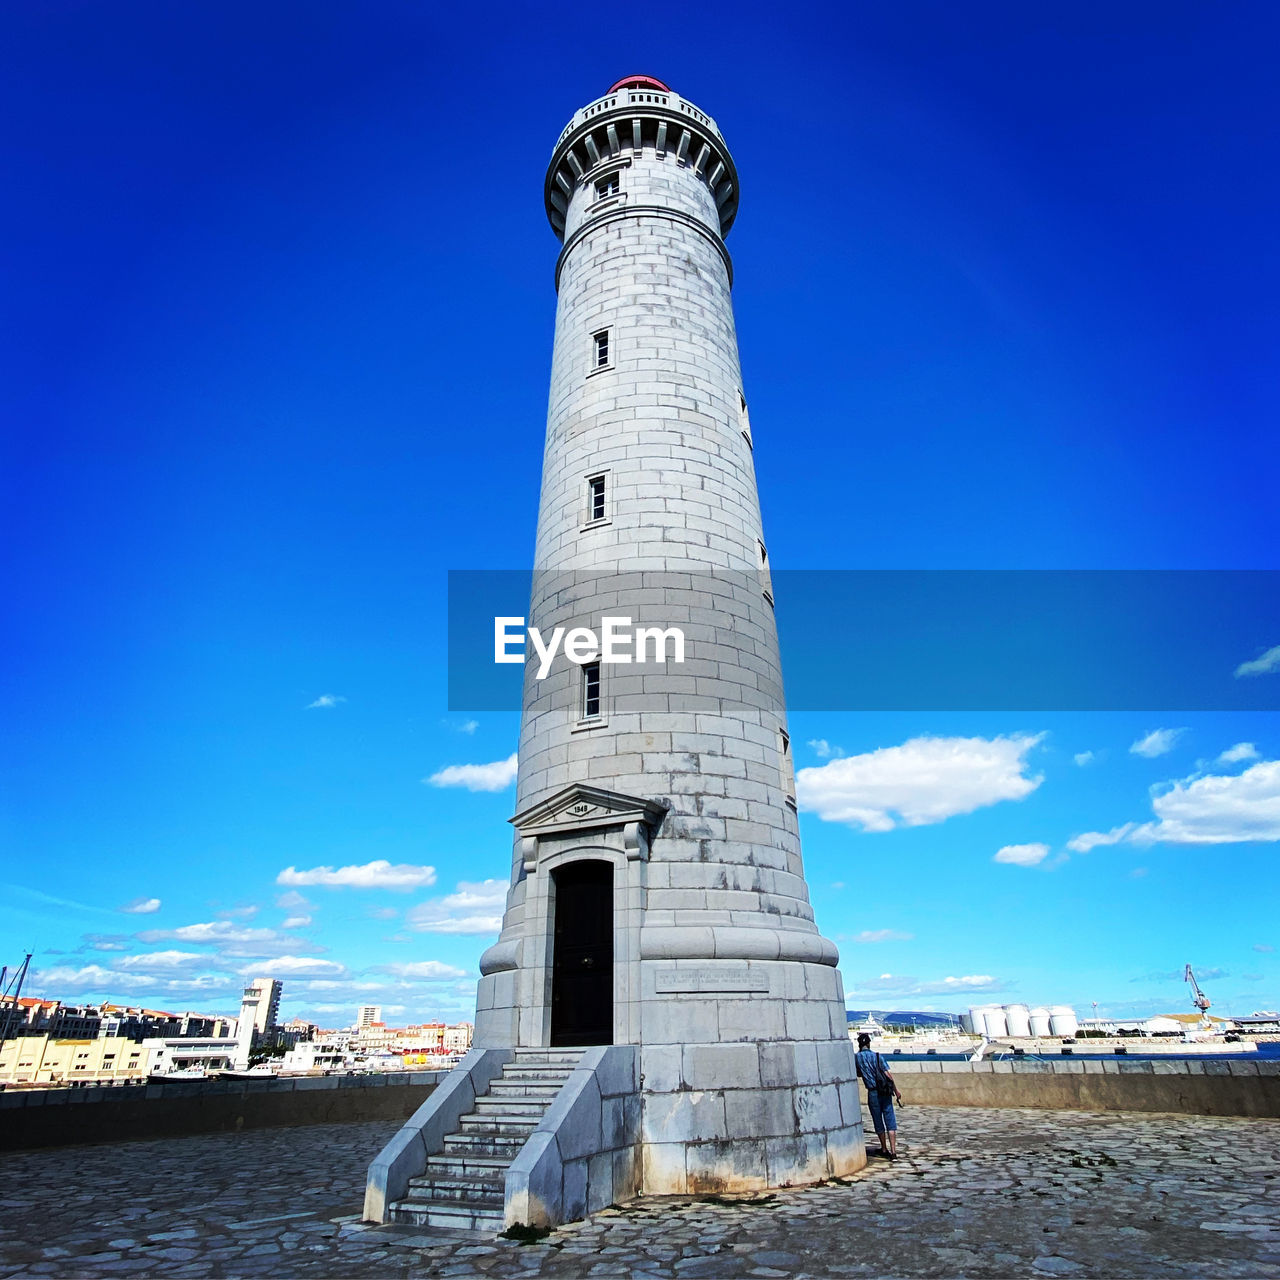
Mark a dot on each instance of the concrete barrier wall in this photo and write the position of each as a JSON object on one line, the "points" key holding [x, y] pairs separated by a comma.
{"points": [[117, 1113], [1075, 1084]]}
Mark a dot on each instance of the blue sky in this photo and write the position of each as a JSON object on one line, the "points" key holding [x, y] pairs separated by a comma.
{"points": [[277, 320]]}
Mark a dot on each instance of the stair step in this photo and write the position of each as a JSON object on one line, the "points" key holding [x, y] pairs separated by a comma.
{"points": [[457, 1214], [490, 1191], [467, 1164], [484, 1126], [511, 1089], [515, 1108], [549, 1055], [536, 1071], [486, 1144]]}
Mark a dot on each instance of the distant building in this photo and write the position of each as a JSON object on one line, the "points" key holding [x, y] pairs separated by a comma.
{"points": [[259, 1010], [49, 1060], [320, 1054], [457, 1039], [367, 1015], [181, 1053], [107, 1021], [261, 1003]]}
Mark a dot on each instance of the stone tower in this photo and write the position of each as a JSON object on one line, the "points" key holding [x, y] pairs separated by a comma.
{"points": [[657, 892]]}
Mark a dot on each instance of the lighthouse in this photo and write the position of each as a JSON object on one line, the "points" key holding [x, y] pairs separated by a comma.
{"points": [[659, 970]]}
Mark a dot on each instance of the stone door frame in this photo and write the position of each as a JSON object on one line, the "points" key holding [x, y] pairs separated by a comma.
{"points": [[584, 824]]}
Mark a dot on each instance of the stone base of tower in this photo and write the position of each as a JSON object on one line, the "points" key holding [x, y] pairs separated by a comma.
{"points": [[746, 1116]]}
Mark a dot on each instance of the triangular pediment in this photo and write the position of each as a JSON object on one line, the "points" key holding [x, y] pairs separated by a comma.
{"points": [[584, 808]]}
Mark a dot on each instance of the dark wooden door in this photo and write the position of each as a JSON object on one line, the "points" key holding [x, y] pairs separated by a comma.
{"points": [[582, 960]]}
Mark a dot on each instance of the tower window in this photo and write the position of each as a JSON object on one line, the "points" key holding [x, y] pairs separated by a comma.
{"points": [[766, 578], [600, 342], [595, 498], [744, 419], [607, 187], [591, 691]]}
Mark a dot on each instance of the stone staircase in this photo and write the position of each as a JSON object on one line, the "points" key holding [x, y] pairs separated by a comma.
{"points": [[463, 1187]]}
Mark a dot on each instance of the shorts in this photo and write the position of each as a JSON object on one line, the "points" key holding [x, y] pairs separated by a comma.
{"points": [[881, 1107]]}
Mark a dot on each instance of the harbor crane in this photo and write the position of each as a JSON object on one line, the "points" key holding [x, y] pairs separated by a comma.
{"points": [[1198, 998]]}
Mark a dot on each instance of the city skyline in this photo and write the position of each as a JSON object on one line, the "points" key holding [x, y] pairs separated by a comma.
{"points": [[276, 380]]}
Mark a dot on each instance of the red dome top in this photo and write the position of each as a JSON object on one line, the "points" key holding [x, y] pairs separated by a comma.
{"points": [[640, 82]]}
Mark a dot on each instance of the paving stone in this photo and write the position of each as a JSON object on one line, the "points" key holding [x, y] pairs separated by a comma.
{"points": [[972, 1194]]}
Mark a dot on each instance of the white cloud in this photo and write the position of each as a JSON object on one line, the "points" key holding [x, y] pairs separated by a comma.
{"points": [[163, 961], [1095, 839], [474, 908], [425, 971], [238, 913], [1263, 947], [180, 987], [292, 900], [371, 875], [1022, 855], [901, 985], [104, 942], [302, 966], [1241, 751], [141, 907], [1240, 808], [462, 726], [209, 931], [883, 935], [823, 749], [497, 776], [1083, 758], [1261, 666], [1158, 742], [231, 939], [383, 913], [325, 701], [926, 780], [296, 922]]}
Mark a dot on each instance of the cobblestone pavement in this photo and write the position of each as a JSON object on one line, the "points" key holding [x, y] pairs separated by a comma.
{"points": [[973, 1193]]}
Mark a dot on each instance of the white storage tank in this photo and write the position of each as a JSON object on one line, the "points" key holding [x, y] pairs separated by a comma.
{"points": [[1017, 1018], [995, 1023], [1039, 1021], [967, 1022], [1062, 1020]]}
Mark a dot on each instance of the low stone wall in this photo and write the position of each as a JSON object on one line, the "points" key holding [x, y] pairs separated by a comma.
{"points": [[117, 1113], [1189, 1087]]}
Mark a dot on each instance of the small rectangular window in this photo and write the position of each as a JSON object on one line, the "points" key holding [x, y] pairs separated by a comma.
{"points": [[595, 498], [591, 691], [766, 578], [744, 419], [601, 341], [607, 187]]}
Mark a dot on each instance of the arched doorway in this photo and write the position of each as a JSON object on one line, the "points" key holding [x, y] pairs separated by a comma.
{"points": [[582, 959]]}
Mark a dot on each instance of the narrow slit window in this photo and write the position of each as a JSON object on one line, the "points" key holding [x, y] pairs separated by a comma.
{"points": [[744, 419], [601, 341], [766, 578], [591, 691], [607, 187], [787, 767], [595, 498]]}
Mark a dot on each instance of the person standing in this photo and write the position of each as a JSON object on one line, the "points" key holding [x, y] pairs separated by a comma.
{"points": [[881, 1092]]}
